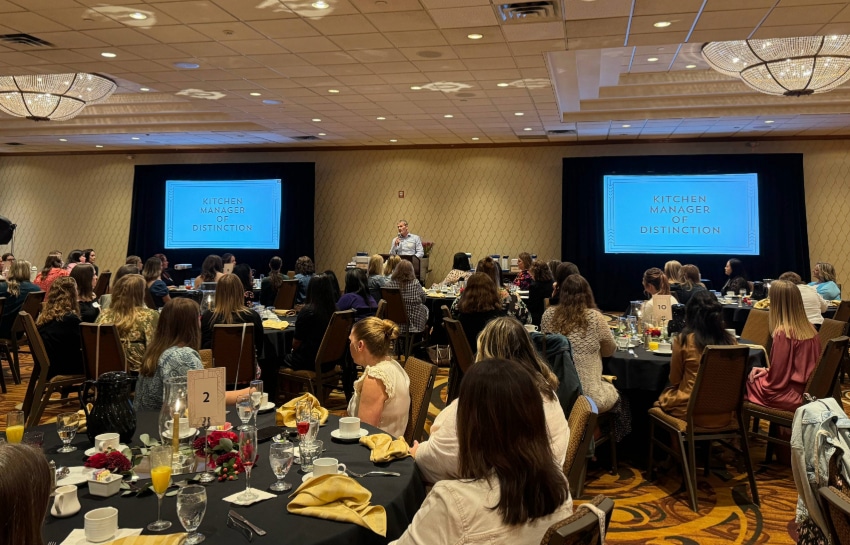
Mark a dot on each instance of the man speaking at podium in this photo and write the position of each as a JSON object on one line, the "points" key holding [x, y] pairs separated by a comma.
{"points": [[406, 243]]}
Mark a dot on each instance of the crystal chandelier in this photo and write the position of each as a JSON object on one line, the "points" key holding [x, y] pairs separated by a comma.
{"points": [[52, 97], [784, 66]]}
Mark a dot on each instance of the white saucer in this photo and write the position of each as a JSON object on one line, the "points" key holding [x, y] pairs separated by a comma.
{"points": [[659, 353], [363, 433], [267, 407], [309, 476], [184, 434], [92, 451], [77, 475]]}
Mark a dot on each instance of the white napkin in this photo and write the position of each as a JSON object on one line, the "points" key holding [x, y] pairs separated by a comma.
{"points": [[260, 496], [78, 536]]}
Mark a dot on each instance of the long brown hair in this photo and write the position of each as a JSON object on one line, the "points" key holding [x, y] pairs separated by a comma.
{"points": [[690, 276], [152, 270], [178, 325], [573, 301], [20, 272], [656, 278], [25, 486], [53, 261], [84, 275], [787, 313], [229, 299], [128, 298], [531, 485], [210, 268], [275, 277], [489, 267], [480, 295], [61, 301], [403, 272]]}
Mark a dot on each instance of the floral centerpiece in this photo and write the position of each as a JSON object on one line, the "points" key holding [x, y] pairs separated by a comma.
{"points": [[427, 246], [113, 460], [220, 448]]}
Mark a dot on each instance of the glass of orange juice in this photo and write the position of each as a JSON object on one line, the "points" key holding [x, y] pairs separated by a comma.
{"points": [[160, 458], [14, 426]]}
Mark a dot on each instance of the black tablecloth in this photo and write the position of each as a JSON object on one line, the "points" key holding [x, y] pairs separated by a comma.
{"points": [[401, 496], [276, 344]]}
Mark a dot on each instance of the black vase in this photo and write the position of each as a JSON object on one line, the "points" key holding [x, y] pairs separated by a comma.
{"points": [[112, 410], [677, 323]]}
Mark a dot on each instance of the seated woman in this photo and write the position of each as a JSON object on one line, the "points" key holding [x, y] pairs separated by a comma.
{"points": [[539, 291], [382, 393], [74, 257], [479, 305], [271, 283], [824, 275], [304, 270], [511, 304], [86, 279], [153, 280], [737, 281], [15, 290], [654, 283], [703, 326], [489, 500], [135, 261], [814, 304], [59, 326], [230, 309], [793, 355], [375, 278], [52, 270], [523, 277], [673, 272], [246, 276], [357, 295], [123, 270], [460, 269], [334, 284], [412, 293], [577, 318], [310, 327], [390, 265], [165, 276], [6, 261], [135, 322], [90, 257], [506, 338], [691, 284], [211, 271], [564, 270], [26, 487]]}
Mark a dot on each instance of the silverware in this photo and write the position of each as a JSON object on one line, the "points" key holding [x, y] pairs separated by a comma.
{"points": [[632, 352], [376, 473], [259, 531]]}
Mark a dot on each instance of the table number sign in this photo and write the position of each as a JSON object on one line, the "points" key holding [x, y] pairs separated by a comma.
{"points": [[662, 309], [206, 397]]}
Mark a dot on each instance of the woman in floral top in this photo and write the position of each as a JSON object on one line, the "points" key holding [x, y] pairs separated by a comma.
{"points": [[135, 322], [523, 278]]}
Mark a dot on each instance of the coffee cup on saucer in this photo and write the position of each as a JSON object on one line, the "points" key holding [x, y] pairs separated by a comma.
{"points": [[530, 328], [106, 441], [664, 347], [101, 524], [732, 332], [349, 427], [327, 466]]}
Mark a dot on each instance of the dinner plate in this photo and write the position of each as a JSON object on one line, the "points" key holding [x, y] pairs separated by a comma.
{"points": [[335, 434], [166, 434], [92, 451], [267, 407], [309, 476], [77, 475], [659, 353]]}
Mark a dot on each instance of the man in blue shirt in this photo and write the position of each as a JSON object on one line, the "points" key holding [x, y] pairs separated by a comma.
{"points": [[406, 243]]}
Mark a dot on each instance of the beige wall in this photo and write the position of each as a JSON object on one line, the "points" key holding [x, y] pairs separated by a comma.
{"points": [[483, 201]]}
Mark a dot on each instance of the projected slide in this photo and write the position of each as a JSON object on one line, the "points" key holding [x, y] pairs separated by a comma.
{"points": [[687, 214], [231, 214]]}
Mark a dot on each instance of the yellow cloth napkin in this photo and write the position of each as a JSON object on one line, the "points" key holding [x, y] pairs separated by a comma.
{"points": [[385, 448], [834, 303], [281, 312], [763, 304], [170, 539], [341, 498], [275, 324], [285, 415]]}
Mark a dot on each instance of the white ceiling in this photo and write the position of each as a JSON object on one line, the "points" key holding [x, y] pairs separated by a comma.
{"points": [[586, 72]]}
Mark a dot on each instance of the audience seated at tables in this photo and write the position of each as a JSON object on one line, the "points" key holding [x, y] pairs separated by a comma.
{"points": [[246, 276], [737, 280], [52, 270], [134, 260], [135, 322], [334, 284], [511, 304], [413, 294], [153, 281], [75, 257], [90, 258], [703, 326], [15, 290], [539, 291], [523, 277], [86, 279], [691, 284], [814, 304], [59, 326], [794, 353], [577, 318], [211, 271], [654, 283], [563, 271], [272, 283], [310, 327], [504, 338], [376, 279], [480, 304], [824, 275], [25, 488], [122, 271], [230, 309], [166, 276], [382, 393], [357, 295], [304, 270], [507, 489], [460, 269]]}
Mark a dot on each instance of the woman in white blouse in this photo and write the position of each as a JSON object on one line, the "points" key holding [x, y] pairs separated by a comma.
{"points": [[382, 394]]}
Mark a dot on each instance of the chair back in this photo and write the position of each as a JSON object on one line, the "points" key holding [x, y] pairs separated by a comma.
{"points": [[842, 313], [335, 341], [290, 274], [720, 382], [546, 303], [285, 298], [824, 378], [582, 527], [445, 311], [102, 285], [32, 306], [582, 422], [206, 357], [461, 351], [756, 327], [831, 329], [149, 302], [382, 309], [422, 375], [40, 361], [396, 311], [233, 349], [837, 514], [102, 349]]}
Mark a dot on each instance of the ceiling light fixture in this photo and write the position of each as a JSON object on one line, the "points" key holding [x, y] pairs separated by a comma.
{"points": [[98, 146], [626, 126], [689, 66], [380, 118], [769, 121], [415, 88], [475, 138], [334, 91], [528, 129], [393, 140], [662, 24], [321, 5], [652, 59], [52, 97], [518, 113], [138, 16], [474, 36], [187, 65], [316, 120], [270, 101], [256, 94], [108, 55], [322, 134], [144, 89], [134, 138], [784, 66], [448, 116], [502, 84], [63, 139]]}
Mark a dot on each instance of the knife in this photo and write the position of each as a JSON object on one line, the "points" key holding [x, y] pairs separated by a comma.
{"points": [[237, 516]]}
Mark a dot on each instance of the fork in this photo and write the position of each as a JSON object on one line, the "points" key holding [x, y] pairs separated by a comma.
{"points": [[632, 352], [376, 473]]}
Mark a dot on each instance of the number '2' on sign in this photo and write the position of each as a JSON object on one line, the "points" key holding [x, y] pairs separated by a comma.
{"points": [[206, 397]]}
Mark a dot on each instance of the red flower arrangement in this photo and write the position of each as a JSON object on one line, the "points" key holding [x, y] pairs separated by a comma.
{"points": [[112, 460], [222, 451]]}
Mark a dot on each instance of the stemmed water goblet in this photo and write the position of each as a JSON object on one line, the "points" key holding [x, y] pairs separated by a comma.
{"points": [[248, 453], [281, 456], [245, 409], [256, 397], [191, 507], [67, 425], [303, 410]]}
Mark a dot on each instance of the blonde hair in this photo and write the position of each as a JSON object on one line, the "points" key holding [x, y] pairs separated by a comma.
{"points": [[827, 271], [787, 313], [20, 272], [376, 334], [128, 297], [61, 300], [376, 265], [229, 299], [673, 271], [390, 265]]}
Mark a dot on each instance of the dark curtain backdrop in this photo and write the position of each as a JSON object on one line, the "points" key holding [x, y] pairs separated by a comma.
{"points": [[616, 278], [298, 189]]}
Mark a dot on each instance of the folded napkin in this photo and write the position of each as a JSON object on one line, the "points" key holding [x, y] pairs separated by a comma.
{"points": [[78, 536], [275, 324], [834, 303], [281, 312], [285, 415], [385, 448], [169, 539], [763, 304], [260, 496], [340, 498]]}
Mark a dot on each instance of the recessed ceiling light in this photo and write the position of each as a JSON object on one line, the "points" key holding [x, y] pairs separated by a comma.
{"points": [[144, 89], [662, 24], [321, 5], [63, 139], [652, 59], [689, 66], [316, 120], [138, 16], [518, 113], [448, 116], [333, 90], [256, 94], [528, 129], [769, 121], [393, 140], [270, 101], [475, 138], [502, 84], [98, 146], [415, 88], [626, 126], [474, 36], [187, 65], [380, 118], [134, 138], [108, 55], [322, 134]]}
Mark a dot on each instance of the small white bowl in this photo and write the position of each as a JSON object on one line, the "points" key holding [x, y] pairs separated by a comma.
{"points": [[106, 488]]}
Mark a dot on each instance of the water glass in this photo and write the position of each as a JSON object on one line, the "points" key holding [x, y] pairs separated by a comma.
{"points": [[160, 463], [14, 426], [248, 452], [67, 425], [188, 284], [34, 439], [309, 453], [281, 456], [191, 506], [302, 417], [256, 397], [245, 408], [313, 430]]}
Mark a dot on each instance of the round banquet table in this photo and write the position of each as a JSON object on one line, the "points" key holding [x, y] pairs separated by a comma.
{"points": [[401, 496]]}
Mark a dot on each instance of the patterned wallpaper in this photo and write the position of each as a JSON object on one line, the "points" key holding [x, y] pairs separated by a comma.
{"points": [[478, 200]]}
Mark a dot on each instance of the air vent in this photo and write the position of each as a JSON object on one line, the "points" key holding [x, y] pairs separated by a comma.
{"points": [[308, 138], [527, 137], [561, 132], [24, 39], [530, 12]]}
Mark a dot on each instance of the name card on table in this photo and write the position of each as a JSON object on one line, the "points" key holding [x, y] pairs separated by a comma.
{"points": [[206, 397], [662, 309]]}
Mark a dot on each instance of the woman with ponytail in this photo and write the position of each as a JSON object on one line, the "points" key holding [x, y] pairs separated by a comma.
{"points": [[654, 283]]}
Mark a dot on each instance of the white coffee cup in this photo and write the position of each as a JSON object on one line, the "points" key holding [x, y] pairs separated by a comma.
{"points": [[327, 466], [664, 347], [106, 441], [264, 400], [530, 327], [101, 524], [349, 426], [732, 332], [184, 425], [65, 502]]}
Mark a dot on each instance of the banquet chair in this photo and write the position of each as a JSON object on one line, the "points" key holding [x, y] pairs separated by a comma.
{"points": [[102, 285], [333, 348], [831, 329], [40, 388], [102, 349], [10, 348], [233, 349], [422, 376], [290, 274], [149, 302], [842, 313], [382, 309], [397, 312], [3, 378], [285, 298], [822, 383], [582, 422], [837, 514], [445, 312], [718, 389], [206, 357], [462, 357], [756, 328], [582, 527]]}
